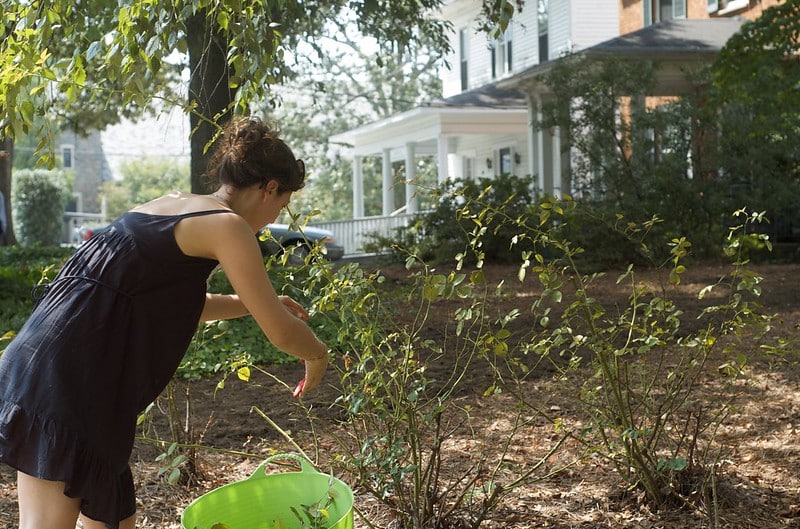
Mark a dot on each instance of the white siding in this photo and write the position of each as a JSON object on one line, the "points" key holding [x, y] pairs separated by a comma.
{"points": [[573, 25], [481, 62], [578, 24], [482, 147], [525, 45], [526, 37], [451, 80], [594, 21], [462, 14], [559, 28]]}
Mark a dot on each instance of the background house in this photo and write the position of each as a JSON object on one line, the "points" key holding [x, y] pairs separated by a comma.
{"points": [[82, 155], [479, 128], [494, 91]]}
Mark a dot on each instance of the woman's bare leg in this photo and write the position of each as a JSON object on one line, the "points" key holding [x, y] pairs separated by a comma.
{"points": [[43, 504]]}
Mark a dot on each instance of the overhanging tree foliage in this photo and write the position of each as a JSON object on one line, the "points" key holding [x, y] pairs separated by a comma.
{"points": [[236, 51]]}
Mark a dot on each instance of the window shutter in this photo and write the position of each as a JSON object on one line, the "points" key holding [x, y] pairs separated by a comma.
{"points": [[509, 54], [463, 56], [493, 52]]}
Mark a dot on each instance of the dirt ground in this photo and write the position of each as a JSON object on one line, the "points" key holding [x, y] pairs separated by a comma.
{"points": [[760, 473]]}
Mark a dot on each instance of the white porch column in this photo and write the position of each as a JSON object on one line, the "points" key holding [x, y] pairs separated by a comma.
{"points": [[534, 117], [442, 158], [557, 162], [388, 184], [358, 188], [539, 148], [411, 179]]}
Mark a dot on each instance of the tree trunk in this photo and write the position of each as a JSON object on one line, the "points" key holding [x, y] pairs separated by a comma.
{"points": [[6, 157], [209, 91]]}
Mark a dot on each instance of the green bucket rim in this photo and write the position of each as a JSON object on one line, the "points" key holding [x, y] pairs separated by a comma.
{"points": [[306, 469]]}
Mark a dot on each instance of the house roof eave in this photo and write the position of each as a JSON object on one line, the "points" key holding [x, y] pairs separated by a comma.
{"points": [[428, 122], [488, 101]]}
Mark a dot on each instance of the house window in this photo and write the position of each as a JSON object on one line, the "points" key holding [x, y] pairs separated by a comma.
{"points": [[659, 10], [67, 152], [502, 55], [463, 50], [679, 9], [712, 6], [506, 158], [544, 52]]}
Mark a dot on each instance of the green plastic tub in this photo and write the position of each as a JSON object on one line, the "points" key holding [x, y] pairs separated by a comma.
{"points": [[283, 500]]}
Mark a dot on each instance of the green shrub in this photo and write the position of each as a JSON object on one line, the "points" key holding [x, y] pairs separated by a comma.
{"points": [[218, 343], [21, 269], [39, 199], [459, 219], [398, 418], [33, 256], [638, 160]]}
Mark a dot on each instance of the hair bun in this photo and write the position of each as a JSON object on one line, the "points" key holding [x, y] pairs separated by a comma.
{"points": [[251, 152]]}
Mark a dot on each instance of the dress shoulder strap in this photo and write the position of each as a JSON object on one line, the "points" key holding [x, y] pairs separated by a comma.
{"points": [[204, 212]]}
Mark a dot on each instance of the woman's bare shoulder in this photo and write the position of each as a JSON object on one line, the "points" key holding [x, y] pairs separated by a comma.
{"points": [[204, 235], [178, 203]]}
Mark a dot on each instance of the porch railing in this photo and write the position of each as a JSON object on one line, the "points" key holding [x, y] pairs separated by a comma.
{"points": [[354, 233]]}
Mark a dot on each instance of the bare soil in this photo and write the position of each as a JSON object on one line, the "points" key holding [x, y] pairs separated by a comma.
{"points": [[759, 477]]}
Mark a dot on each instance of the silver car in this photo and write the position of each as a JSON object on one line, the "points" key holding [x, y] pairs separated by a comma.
{"points": [[278, 238]]}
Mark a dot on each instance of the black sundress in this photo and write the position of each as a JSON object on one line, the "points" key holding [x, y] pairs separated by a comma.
{"points": [[100, 345]]}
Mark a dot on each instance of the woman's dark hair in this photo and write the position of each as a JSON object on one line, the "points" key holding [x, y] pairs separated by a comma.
{"points": [[249, 152]]}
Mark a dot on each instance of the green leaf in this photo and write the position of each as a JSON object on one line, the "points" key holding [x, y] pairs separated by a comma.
{"points": [[174, 476], [677, 464], [222, 20], [94, 50], [502, 334]]}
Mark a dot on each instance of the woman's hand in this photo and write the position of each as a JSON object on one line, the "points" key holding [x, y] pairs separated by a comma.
{"points": [[294, 308], [315, 367], [315, 371]]}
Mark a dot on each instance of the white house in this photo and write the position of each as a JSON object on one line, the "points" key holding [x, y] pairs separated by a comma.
{"points": [[485, 123], [479, 128]]}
